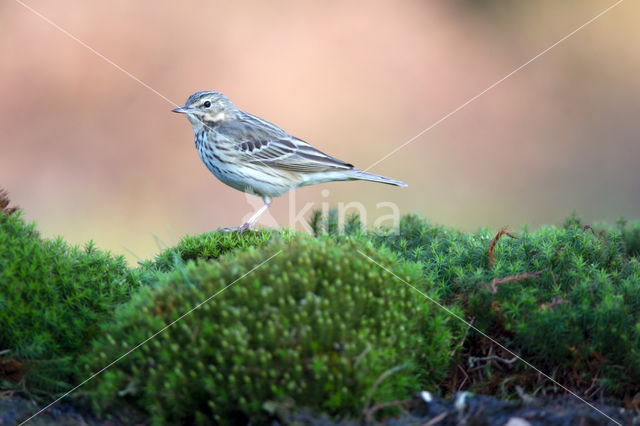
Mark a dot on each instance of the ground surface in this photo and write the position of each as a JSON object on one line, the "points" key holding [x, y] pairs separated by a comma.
{"points": [[463, 409]]}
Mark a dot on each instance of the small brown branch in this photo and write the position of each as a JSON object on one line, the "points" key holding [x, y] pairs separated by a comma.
{"points": [[493, 285], [525, 397], [494, 241], [12, 369], [466, 377], [633, 403], [369, 413], [4, 203], [594, 388], [464, 337], [437, 419], [598, 234], [472, 360], [553, 303]]}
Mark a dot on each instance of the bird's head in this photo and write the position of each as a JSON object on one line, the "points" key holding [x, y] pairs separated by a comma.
{"points": [[207, 108]]}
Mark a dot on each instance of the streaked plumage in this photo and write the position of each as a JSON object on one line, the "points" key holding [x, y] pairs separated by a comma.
{"points": [[257, 157]]}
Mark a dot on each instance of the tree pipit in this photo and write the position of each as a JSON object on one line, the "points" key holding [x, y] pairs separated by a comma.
{"points": [[257, 157]]}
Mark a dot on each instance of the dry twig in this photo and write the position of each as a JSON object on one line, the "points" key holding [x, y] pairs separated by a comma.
{"points": [[437, 419], [494, 241], [4, 203], [493, 285], [369, 413]]}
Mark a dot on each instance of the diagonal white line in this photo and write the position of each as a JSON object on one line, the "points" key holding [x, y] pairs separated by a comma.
{"points": [[150, 337], [495, 84], [94, 51], [100, 55], [450, 312]]}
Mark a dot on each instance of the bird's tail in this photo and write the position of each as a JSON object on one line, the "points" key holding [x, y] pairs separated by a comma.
{"points": [[360, 175]]}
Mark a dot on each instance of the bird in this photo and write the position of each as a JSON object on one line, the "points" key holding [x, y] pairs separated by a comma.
{"points": [[257, 157]]}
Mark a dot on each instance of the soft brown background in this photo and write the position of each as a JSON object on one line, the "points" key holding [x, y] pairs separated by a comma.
{"points": [[90, 153]]}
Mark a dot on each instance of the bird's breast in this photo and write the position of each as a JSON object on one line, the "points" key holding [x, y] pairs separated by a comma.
{"points": [[201, 139]]}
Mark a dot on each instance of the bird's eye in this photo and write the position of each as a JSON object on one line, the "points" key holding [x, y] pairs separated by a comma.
{"points": [[206, 104]]}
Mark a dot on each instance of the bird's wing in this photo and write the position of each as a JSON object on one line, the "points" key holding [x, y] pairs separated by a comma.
{"points": [[291, 154], [260, 142]]}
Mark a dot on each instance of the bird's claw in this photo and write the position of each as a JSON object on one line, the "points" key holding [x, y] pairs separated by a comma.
{"points": [[228, 229], [240, 229]]}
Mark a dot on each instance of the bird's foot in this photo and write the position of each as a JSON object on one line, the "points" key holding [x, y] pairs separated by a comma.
{"points": [[241, 229], [228, 229], [245, 227]]}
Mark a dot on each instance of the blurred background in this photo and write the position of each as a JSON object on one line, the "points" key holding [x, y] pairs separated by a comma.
{"points": [[90, 153]]}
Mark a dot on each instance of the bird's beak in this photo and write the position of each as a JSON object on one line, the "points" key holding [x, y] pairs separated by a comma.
{"points": [[183, 110]]}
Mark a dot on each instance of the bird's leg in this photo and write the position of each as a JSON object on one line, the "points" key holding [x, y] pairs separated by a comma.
{"points": [[252, 220]]}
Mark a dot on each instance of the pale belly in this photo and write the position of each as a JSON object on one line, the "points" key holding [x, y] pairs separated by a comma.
{"points": [[259, 181]]}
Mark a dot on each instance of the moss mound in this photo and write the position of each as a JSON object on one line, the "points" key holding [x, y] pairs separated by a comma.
{"points": [[210, 246], [565, 298], [52, 298], [316, 325]]}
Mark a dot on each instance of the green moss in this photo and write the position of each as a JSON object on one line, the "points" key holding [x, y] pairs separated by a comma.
{"points": [[628, 232], [569, 301], [210, 246], [319, 324], [308, 322], [52, 298]]}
